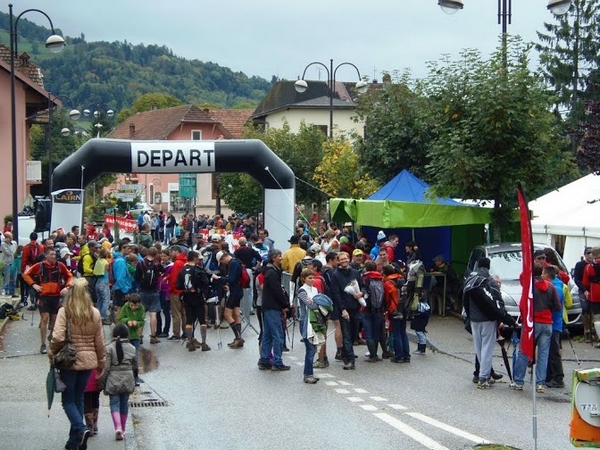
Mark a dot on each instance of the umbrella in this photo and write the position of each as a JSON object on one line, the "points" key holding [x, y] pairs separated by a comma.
{"points": [[53, 384]]}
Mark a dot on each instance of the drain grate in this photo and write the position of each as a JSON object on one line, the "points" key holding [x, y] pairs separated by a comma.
{"points": [[147, 404]]}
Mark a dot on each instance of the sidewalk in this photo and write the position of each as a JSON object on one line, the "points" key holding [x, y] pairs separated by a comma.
{"points": [[23, 407]]}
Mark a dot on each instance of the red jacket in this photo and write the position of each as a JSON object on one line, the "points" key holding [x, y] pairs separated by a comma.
{"points": [[178, 264], [593, 288], [390, 292], [33, 250]]}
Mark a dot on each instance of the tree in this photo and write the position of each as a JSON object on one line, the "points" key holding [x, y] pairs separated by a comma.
{"points": [[397, 134], [588, 153], [148, 102], [569, 51], [492, 128], [241, 192], [340, 173]]}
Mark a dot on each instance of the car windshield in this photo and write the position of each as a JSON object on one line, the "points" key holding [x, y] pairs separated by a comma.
{"points": [[507, 265]]}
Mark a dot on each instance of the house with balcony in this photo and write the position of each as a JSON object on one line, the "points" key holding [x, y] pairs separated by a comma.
{"points": [[30, 99], [178, 192]]}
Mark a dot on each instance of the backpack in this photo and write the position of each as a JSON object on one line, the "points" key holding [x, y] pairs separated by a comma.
{"points": [[149, 277], [209, 262], [111, 273], [80, 262], [596, 277], [185, 279], [244, 277], [32, 254], [374, 289], [50, 276]]}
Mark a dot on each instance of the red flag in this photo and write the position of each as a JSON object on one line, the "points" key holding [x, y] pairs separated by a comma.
{"points": [[526, 305]]}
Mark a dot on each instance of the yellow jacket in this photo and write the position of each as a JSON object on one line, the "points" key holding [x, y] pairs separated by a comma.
{"points": [[291, 257]]}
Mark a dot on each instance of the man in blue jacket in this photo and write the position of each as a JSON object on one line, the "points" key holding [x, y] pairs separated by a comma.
{"points": [[123, 284], [345, 280]]}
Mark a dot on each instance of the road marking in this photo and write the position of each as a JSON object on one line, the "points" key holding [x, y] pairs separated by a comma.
{"points": [[361, 391], [342, 391], [394, 406], [355, 399], [379, 399], [345, 383], [410, 432], [300, 363], [326, 375], [448, 428], [369, 407], [331, 383], [292, 357]]}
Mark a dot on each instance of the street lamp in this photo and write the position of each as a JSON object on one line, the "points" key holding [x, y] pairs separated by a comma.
{"points": [[73, 114], [301, 85], [55, 44], [98, 116], [558, 7]]}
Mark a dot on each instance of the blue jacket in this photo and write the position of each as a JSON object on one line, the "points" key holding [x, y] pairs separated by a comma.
{"points": [[557, 316], [123, 281]]}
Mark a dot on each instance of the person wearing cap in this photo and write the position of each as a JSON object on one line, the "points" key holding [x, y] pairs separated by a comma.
{"points": [[591, 284], [585, 304], [357, 262], [64, 256], [123, 284], [381, 238], [292, 255], [51, 280], [349, 232], [231, 285], [88, 262], [345, 245]]}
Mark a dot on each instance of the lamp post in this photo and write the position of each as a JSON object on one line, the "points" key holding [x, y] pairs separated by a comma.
{"points": [[98, 116], [55, 44], [301, 85], [73, 114]]}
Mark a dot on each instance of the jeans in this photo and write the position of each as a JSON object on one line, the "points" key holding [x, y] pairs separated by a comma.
{"points": [[401, 348], [168, 234], [102, 297], [309, 357], [8, 283], [543, 333], [371, 322], [421, 338], [347, 339], [72, 401], [555, 366], [484, 339], [165, 306], [119, 403], [272, 338]]}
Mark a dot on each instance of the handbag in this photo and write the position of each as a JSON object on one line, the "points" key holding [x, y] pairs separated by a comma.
{"points": [[65, 358]]}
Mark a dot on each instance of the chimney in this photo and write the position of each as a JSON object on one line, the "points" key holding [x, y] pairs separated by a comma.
{"points": [[131, 130]]}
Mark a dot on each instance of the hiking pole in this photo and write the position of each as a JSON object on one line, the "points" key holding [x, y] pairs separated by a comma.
{"points": [[572, 348], [218, 315]]}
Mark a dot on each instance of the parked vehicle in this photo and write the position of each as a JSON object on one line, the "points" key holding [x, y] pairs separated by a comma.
{"points": [[140, 208], [506, 262]]}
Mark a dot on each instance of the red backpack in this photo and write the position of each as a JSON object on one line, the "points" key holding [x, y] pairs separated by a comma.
{"points": [[244, 277]]}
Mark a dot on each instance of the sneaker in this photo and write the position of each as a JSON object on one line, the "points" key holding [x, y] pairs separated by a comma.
{"points": [[483, 384], [281, 368], [83, 438], [263, 366], [361, 341], [338, 356], [173, 338], [497, 376], [43, 349], [285, 348], [320, 364], [516, 386], [106, 322], [137, 381], [418, 352], [349, 366], [154, 340], [310, 380], [540, 388], [163, 335], [387, 354], [204, 347], [119, 435], [223, 325], [475, 379], [555, 384]]}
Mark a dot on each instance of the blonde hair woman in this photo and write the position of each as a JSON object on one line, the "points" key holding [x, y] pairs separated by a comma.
{"points": [[85, 326]]}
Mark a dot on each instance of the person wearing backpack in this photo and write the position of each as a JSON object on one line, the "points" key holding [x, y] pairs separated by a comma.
{"points": [[177, 310], [102, 288], [591, 284], [371, 315], [86, 265], [194, 284], [233, 288], [393, 282], [30, 253], [147, 273]]}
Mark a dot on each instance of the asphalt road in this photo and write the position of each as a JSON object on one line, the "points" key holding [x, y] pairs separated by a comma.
{"points": [[220, 400]]}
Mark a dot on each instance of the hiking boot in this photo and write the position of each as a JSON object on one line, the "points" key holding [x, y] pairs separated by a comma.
{"points": [[43, 349], [475, 379], [238, 343], [310, 380], [483, 384], [387, 354], [540, 388], [321, 364], [349, 366], [361, 341], [190, 346], [154, 340], [497, 376], [372, 360], [205, 347], [338, 355], [196, 343], [555, 384], [262, 366], [280, 368], [516, 386]]}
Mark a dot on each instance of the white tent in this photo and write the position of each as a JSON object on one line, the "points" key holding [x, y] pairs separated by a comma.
{"points": [[570, 213]]}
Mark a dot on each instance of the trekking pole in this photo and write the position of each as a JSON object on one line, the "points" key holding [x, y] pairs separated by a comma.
{"points": [[217, 314], [572, 348]]}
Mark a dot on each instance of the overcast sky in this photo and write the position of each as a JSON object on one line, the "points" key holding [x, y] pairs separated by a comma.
{"points": [[279, 37]]}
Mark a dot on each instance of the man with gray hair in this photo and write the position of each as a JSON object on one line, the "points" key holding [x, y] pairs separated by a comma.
{"points": [[7, 249]]}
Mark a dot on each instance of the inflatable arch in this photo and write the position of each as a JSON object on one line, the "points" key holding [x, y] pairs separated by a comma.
{"points": [[253, 157]]}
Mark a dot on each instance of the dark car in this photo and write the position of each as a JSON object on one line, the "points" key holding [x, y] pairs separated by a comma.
{"points": [[506, 262]]}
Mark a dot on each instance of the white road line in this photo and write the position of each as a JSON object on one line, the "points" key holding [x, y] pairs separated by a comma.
{"points": [[410, 432], [448, 428], [369, 407], [355, 399], [394, 406], [345, 383], [361, 391], [326, 375], [331, 383], [299, 363], [342, 391], [292, 357], [379, 399]]}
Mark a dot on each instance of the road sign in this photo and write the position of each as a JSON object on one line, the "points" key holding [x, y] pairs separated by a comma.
{"points": [[125, 197], [135, 188]]}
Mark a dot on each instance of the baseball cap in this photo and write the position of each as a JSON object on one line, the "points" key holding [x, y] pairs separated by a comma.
{"points": [[357, 252], [215, 238], [539, 253], [587, 250], [314, 249], [93, 244], [64, 251], [220, 255]]}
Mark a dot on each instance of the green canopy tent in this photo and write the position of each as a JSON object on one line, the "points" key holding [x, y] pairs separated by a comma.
{"points": [[404, 207]]}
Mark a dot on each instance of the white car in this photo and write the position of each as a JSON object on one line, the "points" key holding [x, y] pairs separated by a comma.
{"points": [[141, 207]]}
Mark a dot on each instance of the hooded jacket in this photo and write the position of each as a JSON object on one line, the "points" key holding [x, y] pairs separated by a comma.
{"points": [[123, 280], [368, 278], [590, 283], [391, 293], [180, 261], [545, 301]]}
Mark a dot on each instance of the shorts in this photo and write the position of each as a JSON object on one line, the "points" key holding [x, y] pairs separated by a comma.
{"points": [[49, 304], [585, 305], [119, 298], [233, 302], [150, 301], [595, 308]]}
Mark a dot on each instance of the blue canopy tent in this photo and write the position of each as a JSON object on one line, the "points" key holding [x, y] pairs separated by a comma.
{"points": [[405, 208]]}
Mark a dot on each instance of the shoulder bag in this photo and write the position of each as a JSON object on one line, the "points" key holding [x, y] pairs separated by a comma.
{"points": [[65, 358]]}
